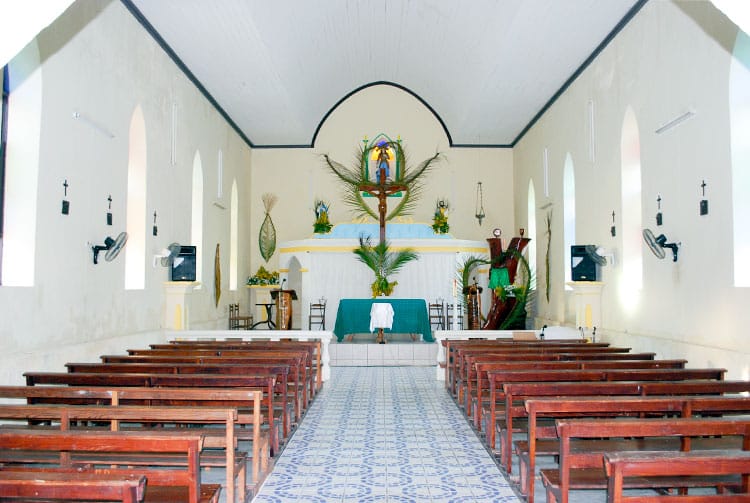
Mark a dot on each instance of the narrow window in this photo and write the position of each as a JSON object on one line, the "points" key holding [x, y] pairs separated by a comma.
{"points": [[569, 214], [531, 232], [135, 252], [739, 115], [196, 228], [233, 237], [23, 121], [632, 246]]}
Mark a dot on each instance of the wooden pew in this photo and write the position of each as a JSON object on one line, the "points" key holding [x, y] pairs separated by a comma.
{"points": [[70, 485], [497, 378], [582, 468], [243, 399], [250, 356], [297, 392], [314, 347], [481, 384], [265, 383], [67, 415], [665, 466], [163, 484], [544, 441]]}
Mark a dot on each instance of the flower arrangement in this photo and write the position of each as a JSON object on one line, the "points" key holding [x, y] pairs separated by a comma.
{"points": [[440, 219], [322, 225], [264, 277]]}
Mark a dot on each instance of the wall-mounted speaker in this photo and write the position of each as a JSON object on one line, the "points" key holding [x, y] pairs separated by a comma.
{"points": [[582, 266], [183, 265]]}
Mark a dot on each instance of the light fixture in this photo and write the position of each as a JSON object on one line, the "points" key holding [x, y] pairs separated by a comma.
{"points": [[155, 230], [496, 232], [479, 204], [109, 210], [675, 122]]}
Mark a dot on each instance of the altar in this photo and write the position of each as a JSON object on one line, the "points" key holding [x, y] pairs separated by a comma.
{"points": [[323, 267], [409, 317]]}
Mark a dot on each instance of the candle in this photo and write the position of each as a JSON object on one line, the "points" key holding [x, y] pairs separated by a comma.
{"points": [[588, 316]]}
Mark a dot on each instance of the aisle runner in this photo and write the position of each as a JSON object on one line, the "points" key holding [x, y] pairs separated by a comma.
{"points": [[385, 434]]}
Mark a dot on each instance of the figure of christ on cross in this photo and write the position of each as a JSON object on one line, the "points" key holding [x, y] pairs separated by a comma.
{"points": [[382, 190]]}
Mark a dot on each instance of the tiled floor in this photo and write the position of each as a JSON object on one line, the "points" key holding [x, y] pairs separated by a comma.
{"points": [[385, 434]]}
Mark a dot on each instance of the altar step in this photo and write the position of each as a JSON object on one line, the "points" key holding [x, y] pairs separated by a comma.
{"points": [[396, 352]]}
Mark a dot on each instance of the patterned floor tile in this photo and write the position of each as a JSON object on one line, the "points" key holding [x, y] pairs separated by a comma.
{"points": [[385, 434]]}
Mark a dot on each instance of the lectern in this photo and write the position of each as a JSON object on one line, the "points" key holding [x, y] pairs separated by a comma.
{"points": [[283, 300]]}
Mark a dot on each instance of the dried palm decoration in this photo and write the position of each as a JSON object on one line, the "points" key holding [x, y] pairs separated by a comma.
{"points": [[352, 179], [267, 236]]}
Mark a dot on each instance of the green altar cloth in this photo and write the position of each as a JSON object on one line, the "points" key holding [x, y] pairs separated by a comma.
{"points": [[409, 317]]}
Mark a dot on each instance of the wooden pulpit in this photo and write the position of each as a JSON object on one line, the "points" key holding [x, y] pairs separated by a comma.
{"points": [[283, 300]]}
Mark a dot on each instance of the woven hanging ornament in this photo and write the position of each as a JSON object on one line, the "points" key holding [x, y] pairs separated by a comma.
{"points": [[267, 236]]}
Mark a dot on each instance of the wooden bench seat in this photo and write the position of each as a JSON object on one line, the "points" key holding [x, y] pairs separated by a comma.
{"points": [[583, 443], [118, 416], [162, 482], [70, 485], [543, 441], [497, 378], [266, 383], [671, 469], [246, 400]]}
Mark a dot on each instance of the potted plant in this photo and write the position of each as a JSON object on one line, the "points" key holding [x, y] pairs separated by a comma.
{"points": [[383, 263]]}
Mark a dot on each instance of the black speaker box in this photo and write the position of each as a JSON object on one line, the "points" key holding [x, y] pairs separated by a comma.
{"points": [[183, 265], [582, 267]]}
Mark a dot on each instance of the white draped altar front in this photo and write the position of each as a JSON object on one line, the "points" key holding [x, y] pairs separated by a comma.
{"points": [[325, 267]]}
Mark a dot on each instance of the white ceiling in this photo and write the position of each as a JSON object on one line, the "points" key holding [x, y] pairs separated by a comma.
{"points": [[486, 68]]}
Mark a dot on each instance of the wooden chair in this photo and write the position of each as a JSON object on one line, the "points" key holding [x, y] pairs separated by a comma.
{"points": [[437, 315], [317, 315], [238, 321]]}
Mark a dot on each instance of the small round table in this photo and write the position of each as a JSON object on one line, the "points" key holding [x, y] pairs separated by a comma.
{"points": [[269, 316]]}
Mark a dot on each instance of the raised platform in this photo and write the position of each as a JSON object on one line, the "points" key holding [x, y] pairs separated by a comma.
{"points": [[399, 350]]}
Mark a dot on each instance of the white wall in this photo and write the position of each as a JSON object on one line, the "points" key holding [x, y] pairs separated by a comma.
{"points": [[670, 58], [97, 60]]}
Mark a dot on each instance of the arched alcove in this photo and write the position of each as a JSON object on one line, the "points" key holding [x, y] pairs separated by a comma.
{"points": [[135, 252], [632, 248], [739, 112], [196, 227]]}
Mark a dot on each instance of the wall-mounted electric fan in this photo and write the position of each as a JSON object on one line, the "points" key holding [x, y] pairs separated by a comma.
{"points": [[167, 255], [112, 247], [657, 244]]}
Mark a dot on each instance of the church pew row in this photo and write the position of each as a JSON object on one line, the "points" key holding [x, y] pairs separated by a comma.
{"points": [[458, 353], [477, 396], [497, 378], [313, 347], [621, 467], [224, 454], [248, 401], [266, 383], [66, 485], [455, 349], [163, 483], [296, 394], [301, 366], [542, 440], [584, 443]]}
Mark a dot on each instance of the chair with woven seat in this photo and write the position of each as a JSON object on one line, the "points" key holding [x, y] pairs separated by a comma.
{"points": [[437, 315], [317, 315], [238, 321]]}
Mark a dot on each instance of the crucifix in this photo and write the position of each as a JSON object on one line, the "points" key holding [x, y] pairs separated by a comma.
{"points": [[383, 188]]}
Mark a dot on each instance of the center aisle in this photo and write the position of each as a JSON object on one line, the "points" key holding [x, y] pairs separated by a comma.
{"points": [[385, 434]]}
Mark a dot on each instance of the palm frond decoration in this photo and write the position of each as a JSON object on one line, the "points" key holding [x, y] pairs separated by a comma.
{"points": [[520, 289], [467, 267], [267, 235], [383, 262], [352, 178]]}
